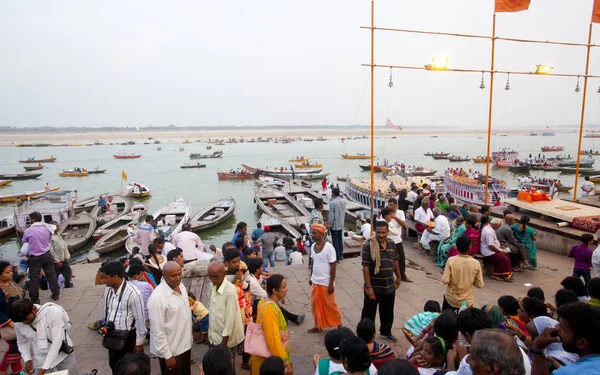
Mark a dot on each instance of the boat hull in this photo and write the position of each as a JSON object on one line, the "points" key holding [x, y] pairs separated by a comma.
{"points": [[24, 196], [233, 176], [38, 167], [47, 160], [468, 192], [73, 174], [127, 156], [213, 215], [180, 209], [118, 206], [112, 241], [300, 176], [120, 223], [77, 230], [280, 205], [20, 176]]}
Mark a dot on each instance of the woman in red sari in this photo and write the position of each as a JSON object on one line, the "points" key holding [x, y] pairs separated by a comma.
{"points": [[473, 234]]}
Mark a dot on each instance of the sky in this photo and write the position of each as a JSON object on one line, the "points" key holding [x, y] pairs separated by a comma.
{"points": [[274, 62]]}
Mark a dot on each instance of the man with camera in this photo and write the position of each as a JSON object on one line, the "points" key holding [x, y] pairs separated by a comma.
{"points": [[124, 328], [42, 337]]}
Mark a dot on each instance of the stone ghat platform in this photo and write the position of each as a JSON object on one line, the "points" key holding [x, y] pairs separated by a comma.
{"points": [[84, 304]]}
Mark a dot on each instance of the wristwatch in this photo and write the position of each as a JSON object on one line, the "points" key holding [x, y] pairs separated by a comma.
{"points": [[539, 352]]}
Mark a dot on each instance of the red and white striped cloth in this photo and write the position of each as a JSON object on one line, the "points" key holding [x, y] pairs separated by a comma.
{"points": [[391, 125]]}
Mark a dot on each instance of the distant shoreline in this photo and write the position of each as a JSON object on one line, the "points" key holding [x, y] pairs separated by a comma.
{"points": [[8, 139]]}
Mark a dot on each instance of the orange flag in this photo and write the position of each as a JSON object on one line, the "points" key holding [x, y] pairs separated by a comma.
{"points": [[513, 5], [596, 12]]}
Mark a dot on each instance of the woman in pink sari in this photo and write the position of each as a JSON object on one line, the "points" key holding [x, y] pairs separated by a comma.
{"points": [[473, 234]]}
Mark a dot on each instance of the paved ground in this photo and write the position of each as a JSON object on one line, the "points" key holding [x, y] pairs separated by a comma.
{"points": [[84, 304]]}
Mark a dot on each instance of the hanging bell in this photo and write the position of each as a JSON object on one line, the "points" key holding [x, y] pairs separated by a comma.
{"points": [[507, 87], [391, 84], [577, 89], [482, 85]]}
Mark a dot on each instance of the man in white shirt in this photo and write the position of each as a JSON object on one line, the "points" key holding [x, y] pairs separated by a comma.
{"points": [[496, 254], [412, 194], [225, 326], [171, 322], [439, 232], [423, 216], [296, 257], [395, 225], [41, 332], [189, 242], [365, 229], [163, 246], [588, 187]]}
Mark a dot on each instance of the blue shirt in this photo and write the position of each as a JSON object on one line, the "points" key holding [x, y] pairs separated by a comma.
{"points": [[588, 365], [235, 236], [257, 233]]}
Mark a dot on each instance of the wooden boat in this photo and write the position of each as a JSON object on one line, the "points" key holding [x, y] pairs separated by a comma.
{"points": [[583, 163], [458, 158], [213, 215], [440, 156], [418, 173], [552, 148], [123, 155], [434, 153], [173, 215], [355, 157], [5, 182], [136, 190], [7, 226], [96, 171], [520, 168], [87, 204], [112, 241], [19, 176], [299, 176], [33, 168], [341, 179], [73, 173], [279, 226], [278, 171], [298, 160], [307, 166], [118, 206], [481, 160], [595, 178], [467, 190], [234, 176], [377, 168], [564, 189], [503, 163], [548, 168], [582, 171], [186, 166], [53, 206], [590, 152], [141, 208], [24, 196], [34, 160], [281, 205], [214, 155], [121, 222], [77, 230]]}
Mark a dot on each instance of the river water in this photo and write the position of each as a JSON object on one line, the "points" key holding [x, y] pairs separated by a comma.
{"points": [[160, 171]]}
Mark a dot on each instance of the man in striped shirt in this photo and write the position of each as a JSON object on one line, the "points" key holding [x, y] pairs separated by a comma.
{"points": [[123, 306], [380, 264]]}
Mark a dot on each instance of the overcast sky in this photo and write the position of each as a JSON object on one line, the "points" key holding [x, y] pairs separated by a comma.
{"points": [[283, 62]]}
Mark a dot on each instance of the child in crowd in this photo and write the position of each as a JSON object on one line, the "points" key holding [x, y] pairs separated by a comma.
{"points": [[296, 257], [200, 316], [135, 253], [333, 339], [379, 353], [583, 258], [433, 355], [415, 325]]}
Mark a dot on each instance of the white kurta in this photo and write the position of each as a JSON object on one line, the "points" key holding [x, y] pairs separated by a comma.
{"points": [[441, 229]]}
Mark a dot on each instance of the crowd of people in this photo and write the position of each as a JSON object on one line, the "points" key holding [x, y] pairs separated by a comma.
{"points": [[146, 303]]}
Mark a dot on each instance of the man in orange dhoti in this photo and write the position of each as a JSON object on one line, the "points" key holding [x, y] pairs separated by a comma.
{"points": [[325, 310]]}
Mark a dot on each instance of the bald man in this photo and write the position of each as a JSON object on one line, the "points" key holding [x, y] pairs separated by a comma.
{"points": [[496, 353], [171, 322], [518, 251], [225, 326]]}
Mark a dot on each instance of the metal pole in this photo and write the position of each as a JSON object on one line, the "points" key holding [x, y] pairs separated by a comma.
{"points": [[489, 135], [372, 192], [585, 81]]}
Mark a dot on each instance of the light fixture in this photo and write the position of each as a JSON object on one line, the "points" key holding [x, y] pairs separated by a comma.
{"points": [[391, 84], [438, 63], [482, 84], [577, 89], [507, 87], [543, 69]]}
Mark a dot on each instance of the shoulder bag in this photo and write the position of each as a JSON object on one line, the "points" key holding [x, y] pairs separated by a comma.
{"points": [[116, 340], [255, 342]]}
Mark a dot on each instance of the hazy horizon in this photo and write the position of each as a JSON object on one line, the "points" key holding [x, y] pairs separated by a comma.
{"points": [[139, 63]]}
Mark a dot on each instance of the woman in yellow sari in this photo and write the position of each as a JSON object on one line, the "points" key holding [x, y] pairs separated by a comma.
{"points": [[273, 322]]}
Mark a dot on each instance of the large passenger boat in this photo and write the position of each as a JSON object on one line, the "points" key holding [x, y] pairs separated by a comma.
{"points": [[469, 190]]}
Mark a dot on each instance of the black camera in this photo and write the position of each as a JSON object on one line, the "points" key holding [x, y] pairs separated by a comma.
{"points": [[66, 348], [108, 326]]}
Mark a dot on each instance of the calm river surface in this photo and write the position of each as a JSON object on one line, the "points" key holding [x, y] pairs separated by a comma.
{"points": [[160, 170]]}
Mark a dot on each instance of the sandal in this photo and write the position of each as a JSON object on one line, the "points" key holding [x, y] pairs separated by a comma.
{"points": [[497, 278], [314, 330]]}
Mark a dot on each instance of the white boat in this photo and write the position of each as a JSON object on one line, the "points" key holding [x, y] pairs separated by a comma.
{"points": [[118, 206], [467, 190], [122, 222], [173, 216], [53, 206], [7, 225], [281, 205]]}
